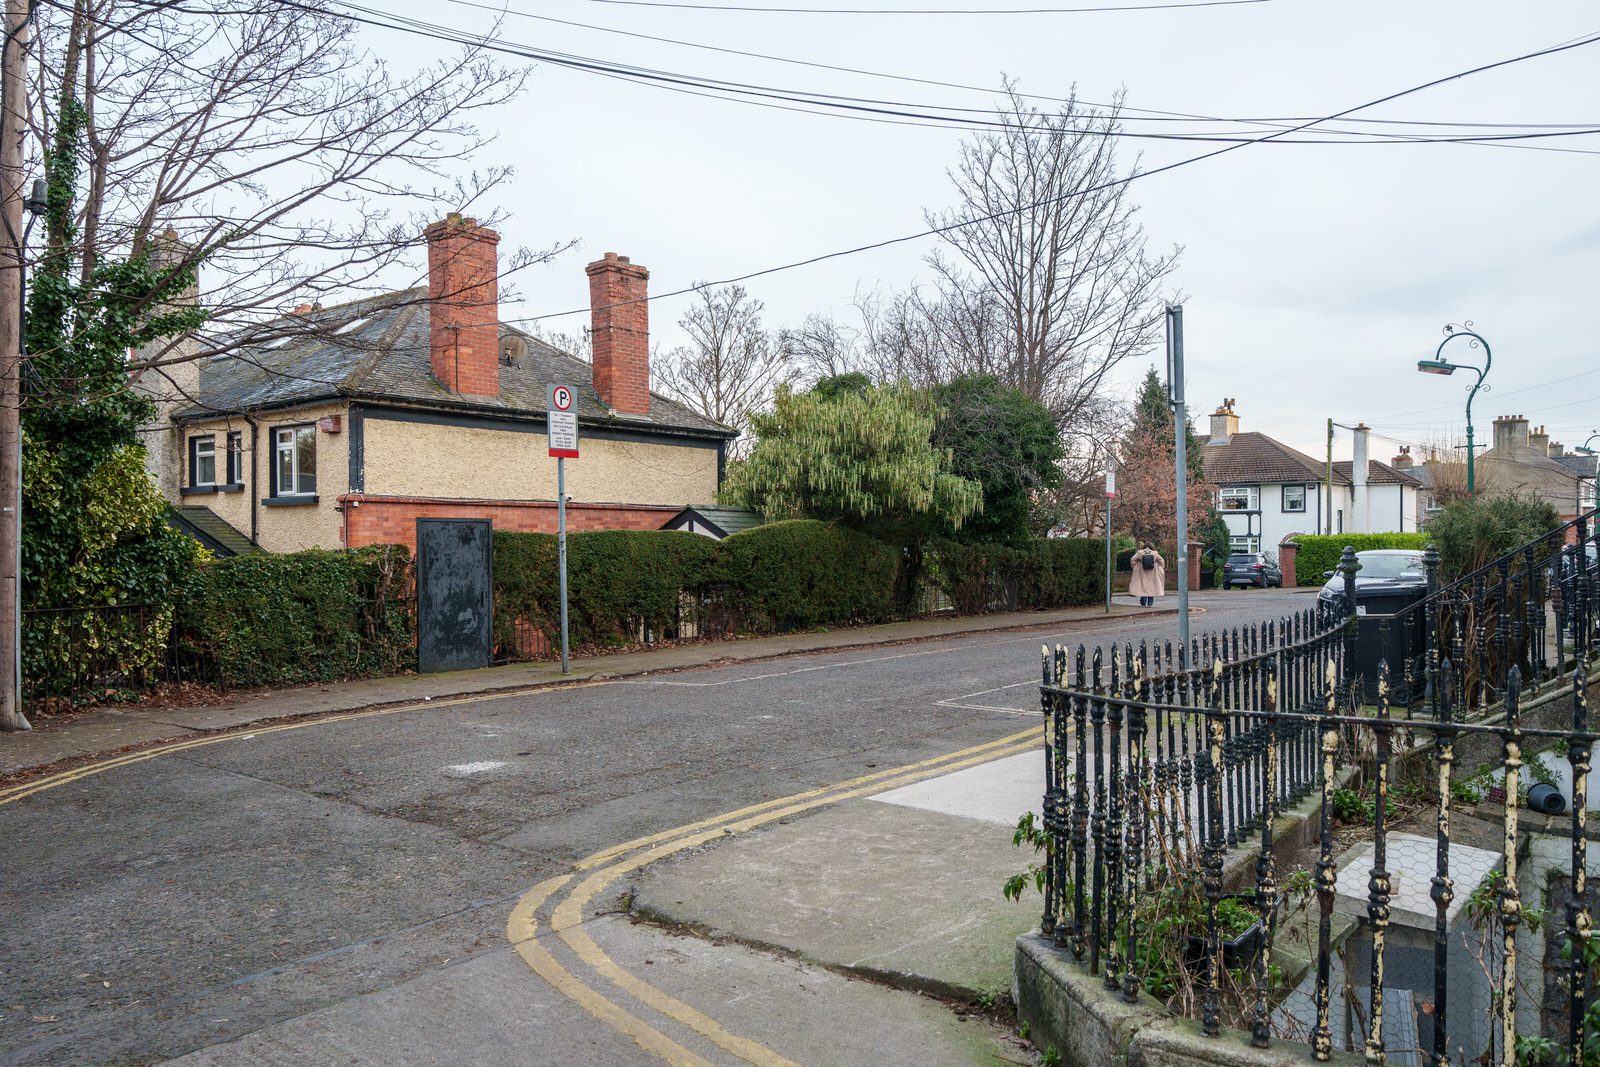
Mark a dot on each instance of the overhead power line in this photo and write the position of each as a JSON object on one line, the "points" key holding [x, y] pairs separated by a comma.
{"points": [[893, 112], [1128, 112], [1097, 9]]}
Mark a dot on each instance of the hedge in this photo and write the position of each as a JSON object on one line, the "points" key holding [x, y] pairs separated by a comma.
{"points": [[300, 617], [1048, 573], [1320, 552], [801, 573], [617, 582], [782, 576]]}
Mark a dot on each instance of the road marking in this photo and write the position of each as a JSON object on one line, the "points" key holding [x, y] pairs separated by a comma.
{"points": [[985, 707], [245, 733], [522, 931], [567, 915]]}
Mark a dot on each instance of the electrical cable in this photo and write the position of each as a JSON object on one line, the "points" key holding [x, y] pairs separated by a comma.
{"points": [[750, 8], [1127, 113]]}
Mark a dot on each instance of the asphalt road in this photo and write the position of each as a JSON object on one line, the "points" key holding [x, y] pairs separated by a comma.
{"points": [[171, 905]]}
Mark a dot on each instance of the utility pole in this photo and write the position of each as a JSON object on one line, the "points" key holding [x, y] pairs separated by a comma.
{"points": [[1328, 484], [13, 127], [1180, 440]]}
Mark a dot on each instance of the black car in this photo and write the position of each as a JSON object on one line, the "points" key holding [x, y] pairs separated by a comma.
{"points": [[1390, 578], [1251, 568]]}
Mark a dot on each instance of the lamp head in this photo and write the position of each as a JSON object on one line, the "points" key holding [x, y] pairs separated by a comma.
{"points": [[36, 202], [1435, 366]]}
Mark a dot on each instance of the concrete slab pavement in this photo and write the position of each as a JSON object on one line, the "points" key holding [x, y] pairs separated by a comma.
{"points": [[906, 895]]}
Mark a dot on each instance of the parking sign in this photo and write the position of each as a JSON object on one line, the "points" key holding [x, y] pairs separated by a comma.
{"points": [[562, 421]]}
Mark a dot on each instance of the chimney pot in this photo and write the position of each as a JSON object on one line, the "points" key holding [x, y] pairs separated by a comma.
{"points": [[1224, 423], [464, 306]]}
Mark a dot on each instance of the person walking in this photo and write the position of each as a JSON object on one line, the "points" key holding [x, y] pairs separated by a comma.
{"points": [[1149, 575]]}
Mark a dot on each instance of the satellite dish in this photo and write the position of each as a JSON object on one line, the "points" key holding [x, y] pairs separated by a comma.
{"points": [[513, 349]]}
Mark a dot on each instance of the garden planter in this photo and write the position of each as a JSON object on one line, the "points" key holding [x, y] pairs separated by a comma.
{"points": [[1239, 950]]}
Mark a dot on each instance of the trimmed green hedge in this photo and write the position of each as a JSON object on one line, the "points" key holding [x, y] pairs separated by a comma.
{"points": [[1048, 573], [1320, 552], [617, 581], [300, 617], [802, 573], [782, 576]]}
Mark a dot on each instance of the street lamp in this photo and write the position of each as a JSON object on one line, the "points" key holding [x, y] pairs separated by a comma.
{"points": [[1586, 450], [1437, 365]]}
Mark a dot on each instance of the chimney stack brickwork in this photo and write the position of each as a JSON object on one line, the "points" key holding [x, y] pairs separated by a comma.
{"points": [[463, 306], [1510, 433], [1224, 423], [621, 333], [1539, 441]]}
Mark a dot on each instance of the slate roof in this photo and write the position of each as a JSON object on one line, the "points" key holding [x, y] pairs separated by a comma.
{"points": [[377, 349], [1378, 473], [729, 520], [1581, 465], [210, 529], [1252, 457]]}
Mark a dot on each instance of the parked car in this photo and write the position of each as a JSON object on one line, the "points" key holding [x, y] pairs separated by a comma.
{"points": [[1251, 568], [1383, 572]]}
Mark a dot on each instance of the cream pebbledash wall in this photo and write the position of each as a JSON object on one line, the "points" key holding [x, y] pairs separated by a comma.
{"points": [[475, 463], [288, 528]]}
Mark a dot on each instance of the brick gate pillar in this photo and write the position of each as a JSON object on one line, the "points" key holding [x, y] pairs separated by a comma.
{"points": [[1286, 557]]}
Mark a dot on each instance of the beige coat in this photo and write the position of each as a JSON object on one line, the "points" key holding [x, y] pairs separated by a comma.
{"points": [[1151, 582]]}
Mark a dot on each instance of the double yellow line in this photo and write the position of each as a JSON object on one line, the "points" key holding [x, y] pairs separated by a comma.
{"points": [[167, 748], [562, 901]]}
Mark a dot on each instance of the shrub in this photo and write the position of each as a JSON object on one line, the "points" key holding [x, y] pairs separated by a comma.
{"points": [[1472, 532], [1047, 573], [803, 573], [305, 616], [617, 581], [1320, 552]]}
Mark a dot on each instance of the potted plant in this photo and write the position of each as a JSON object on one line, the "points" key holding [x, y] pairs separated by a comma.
{"points": [[1238, 930]]}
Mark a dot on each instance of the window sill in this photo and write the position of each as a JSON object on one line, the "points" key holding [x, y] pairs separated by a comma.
{"points": [[289, 501], [231, 487], [198, 490]]}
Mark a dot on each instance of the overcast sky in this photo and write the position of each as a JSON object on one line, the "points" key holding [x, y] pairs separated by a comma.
{"points": [[1314, 276]]}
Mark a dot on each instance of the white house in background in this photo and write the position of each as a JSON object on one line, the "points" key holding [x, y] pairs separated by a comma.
{"points": [[1268, 491]]}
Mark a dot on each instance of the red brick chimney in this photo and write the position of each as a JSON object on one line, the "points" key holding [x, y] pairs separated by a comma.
{"points": [[621, 335], [464, 306]]}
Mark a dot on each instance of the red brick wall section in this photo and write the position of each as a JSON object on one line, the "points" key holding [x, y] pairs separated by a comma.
{"points": [[464, 306], [376, 520], [621, 335], [1286, 560]]}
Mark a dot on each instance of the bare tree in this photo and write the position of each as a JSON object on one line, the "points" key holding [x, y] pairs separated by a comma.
{"points": [[263, 140], [1048, 283], [732, 364]]}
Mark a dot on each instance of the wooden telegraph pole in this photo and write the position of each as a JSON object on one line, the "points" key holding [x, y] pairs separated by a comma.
{"points": [[13, 127]]}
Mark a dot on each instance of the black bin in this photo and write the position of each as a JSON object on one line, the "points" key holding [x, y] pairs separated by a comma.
{"points": [[1384, 634]]}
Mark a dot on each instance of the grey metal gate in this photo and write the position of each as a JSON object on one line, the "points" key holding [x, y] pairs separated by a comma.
{"points": [[455, 601]]}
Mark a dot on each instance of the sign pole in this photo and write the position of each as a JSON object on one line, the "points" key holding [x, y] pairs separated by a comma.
{"points": [[561, 551], [1111, 493], [561, 424], [1180, 439]]}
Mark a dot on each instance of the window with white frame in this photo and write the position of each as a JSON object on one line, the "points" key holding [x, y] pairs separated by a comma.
{"points": [[1239, 498], [1294, 498], [1244, 543], [294, 463], [236, 458], [202, 461]]}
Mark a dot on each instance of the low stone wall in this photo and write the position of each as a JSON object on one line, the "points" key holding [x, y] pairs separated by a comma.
{"points": [[1089, 1025]]}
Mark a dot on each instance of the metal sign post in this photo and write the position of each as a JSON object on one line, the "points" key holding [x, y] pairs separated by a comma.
{"points": [[1180, 438], [1111, 493], [561, 422]]}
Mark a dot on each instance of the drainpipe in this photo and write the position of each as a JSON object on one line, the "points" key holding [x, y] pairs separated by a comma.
{"points": [[255, 501]]}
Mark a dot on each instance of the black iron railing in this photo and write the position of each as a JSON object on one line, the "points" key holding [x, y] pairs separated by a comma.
{"points": [[1164, 874]]}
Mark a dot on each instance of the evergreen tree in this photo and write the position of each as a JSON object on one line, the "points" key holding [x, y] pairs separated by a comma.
{"points": [[1146, 504]]}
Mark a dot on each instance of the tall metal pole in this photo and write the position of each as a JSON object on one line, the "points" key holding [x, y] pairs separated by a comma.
{"points": [[561, 551], [1180, 439], [1111, 492], [13, 127]]}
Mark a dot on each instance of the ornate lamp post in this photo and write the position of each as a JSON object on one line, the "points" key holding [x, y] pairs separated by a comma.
{"points": [[1437, 365]]}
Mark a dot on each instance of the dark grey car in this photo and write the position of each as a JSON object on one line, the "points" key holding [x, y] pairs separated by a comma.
{"points": [[1251, 568]]}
